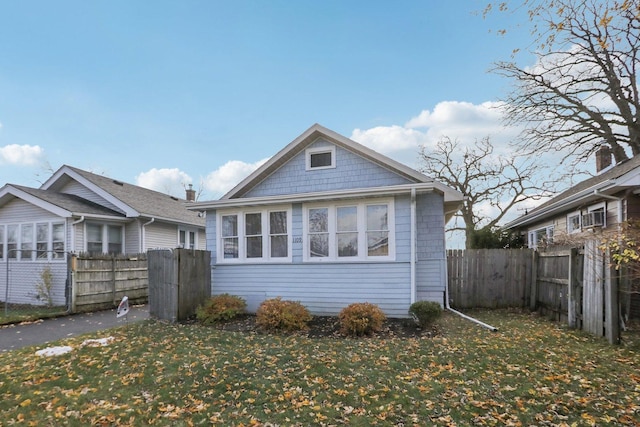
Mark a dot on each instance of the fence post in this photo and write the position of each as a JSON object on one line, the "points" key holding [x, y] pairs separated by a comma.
{"points": [[611, 324], [571, 292], [533, 302]]}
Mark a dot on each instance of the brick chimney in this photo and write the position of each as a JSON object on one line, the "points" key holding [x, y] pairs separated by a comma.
{"points": [[191, 194], [603, 158]]}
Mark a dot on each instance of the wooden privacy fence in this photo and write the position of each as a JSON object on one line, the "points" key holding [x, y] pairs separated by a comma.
{"points": [[100, 282], [179, 281], [489, 278], [574, 286]]}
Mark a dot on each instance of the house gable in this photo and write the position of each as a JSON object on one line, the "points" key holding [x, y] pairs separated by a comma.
{"points": [[350, 170]]}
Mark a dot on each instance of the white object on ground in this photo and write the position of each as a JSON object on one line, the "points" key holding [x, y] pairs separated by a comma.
{"points": [[98, 342], [54, 351]]}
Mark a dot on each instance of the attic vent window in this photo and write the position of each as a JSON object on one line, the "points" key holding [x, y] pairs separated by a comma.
{"points": [[115, 181], [321, 158]]}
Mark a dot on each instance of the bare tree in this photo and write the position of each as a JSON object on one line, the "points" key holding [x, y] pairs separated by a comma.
{"points": [[583, 92], [493, 185]]}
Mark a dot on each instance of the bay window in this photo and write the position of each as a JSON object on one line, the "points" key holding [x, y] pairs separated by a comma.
{"points": [[349, 232], [254, 235]]}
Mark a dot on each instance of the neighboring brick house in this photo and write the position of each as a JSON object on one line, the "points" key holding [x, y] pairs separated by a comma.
{"points": [[328, 222], [78, 211]]}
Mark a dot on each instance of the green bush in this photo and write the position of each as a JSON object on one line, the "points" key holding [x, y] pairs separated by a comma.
{"points": [[220, 307], [425, 312], [361, 318], [278, 315]]}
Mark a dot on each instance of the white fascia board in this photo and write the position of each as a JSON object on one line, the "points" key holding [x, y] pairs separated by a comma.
{"points": [[15, 192], [128, 210], [319, 196]]}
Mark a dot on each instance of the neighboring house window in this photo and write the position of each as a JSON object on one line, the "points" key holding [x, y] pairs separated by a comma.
{"points": [[351, 232], [12, 241], [187, 239], [103, 238], [595, 217], [541, 236], [574, 221], [321, 158], [255, 235], [27, 242]]}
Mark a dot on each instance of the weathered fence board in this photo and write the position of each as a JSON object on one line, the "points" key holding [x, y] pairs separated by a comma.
{"points": [[179, 281], [489, 278], [101, 282]]}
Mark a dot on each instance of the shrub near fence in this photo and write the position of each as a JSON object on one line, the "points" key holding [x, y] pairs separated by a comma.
{"points": [[100, 281]]}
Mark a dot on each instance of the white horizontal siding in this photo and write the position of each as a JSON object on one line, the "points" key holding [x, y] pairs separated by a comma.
{"points": [[18, 211], [324, 289], [161, 235], [24, 277]]}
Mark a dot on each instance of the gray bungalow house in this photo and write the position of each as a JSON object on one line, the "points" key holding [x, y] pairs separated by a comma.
{"points": [[78, 211], [328, 222]]}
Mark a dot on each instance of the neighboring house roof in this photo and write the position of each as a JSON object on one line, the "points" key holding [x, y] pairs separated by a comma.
{"points": [[623, 176], [132, 200], [420, 182], [64, 205]]}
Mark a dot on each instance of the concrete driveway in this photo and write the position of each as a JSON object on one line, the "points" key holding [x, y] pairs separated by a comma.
{"points": [[13, 337]]}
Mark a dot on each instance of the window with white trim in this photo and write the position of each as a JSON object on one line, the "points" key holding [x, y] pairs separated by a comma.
{"points": [[320, 158], [254, 235], [541, 236], [31, 241], [361, 231], [104, 238], [186, 239], [574, 222]]}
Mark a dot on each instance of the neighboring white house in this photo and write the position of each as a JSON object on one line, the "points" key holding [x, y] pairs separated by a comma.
{"points": [[328, 222], [78, 211]]}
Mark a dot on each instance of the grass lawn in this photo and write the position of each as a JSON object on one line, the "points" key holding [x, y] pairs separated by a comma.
{"points": [[530, 372]]}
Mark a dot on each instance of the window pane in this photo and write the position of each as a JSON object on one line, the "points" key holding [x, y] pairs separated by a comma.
{"points": [[347, 218], [192, 240], [94, 234], [319, 160], [318, 220], [230, 247], [229, 225], [115, 239], [347, 244], [12, 241], [1, 241], [42, 240], [278, 222], [253, 224], [279, 246], [58, 241], [377, 217], [27, 241], [319, 245], [254, 247], [378, 243], [182, 238]]}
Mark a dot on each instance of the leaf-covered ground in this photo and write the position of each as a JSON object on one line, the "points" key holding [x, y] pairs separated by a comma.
{"points": [[530, 372]]}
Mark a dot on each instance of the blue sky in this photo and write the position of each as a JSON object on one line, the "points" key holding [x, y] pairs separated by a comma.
{"points": [[167, 93]]}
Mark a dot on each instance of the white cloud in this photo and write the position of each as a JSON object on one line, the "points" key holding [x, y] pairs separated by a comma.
{"points": [[228, 175], [169, 181], [15, 154], [458, 120]]}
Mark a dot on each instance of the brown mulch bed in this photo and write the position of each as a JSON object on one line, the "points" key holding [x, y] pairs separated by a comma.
{"points": [[329, 327]]}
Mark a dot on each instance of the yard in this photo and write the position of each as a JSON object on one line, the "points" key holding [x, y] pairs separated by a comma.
{"points": [[530, 372]]}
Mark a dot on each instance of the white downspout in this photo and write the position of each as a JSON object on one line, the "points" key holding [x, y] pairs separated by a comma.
{"points": [[413, 246], [143, 239], [73, 233]]}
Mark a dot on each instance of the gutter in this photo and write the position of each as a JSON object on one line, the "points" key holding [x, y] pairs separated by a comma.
{"points": [[413, 246], [73, 233], [143, 234]]}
